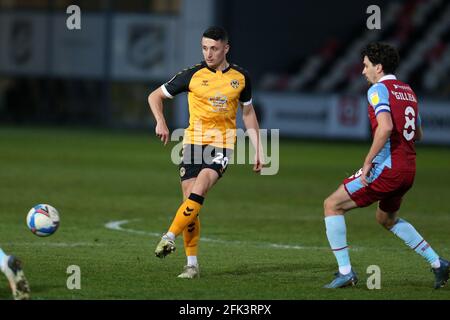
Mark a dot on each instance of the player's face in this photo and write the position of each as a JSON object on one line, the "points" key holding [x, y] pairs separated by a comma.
{"points": [[371, 72], [214, 52]]}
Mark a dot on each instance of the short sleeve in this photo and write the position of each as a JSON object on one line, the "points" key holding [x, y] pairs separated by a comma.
{"points": [[378, 97], [178, 84], [246, 94]]}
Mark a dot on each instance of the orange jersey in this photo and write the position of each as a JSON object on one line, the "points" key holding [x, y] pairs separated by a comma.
{"points": [[213, 98]]}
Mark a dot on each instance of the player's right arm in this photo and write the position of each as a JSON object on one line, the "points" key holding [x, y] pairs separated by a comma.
{"points": [[155, 101], [378, 97], [179, 83]]}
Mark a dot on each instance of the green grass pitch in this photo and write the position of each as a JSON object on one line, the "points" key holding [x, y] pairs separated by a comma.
{"points": [[265, 234]]}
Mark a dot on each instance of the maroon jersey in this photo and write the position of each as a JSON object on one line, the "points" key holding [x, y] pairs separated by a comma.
{"points": [[397, 98]]}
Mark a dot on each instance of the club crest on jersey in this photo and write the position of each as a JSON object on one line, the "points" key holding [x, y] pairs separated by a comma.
{"points": [[182, 172], [374, 98], [234, 84]]}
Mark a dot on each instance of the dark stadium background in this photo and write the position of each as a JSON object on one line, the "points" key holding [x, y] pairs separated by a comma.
{"points": [[100, 75]]}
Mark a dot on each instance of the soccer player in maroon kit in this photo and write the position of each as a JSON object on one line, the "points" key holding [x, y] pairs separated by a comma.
{"points": [[388, 170]]}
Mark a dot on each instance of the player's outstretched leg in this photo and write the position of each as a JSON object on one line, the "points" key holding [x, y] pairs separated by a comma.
{"points": [[415, 241], [12, 268], [406, 231], [188, 211], [186, 214]]}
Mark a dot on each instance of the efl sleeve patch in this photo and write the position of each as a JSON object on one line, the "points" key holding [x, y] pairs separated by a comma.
{"points": [[374, 98], [378, 95]]}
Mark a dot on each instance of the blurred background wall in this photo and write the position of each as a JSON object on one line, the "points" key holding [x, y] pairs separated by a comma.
{"points": [[303, 57]]}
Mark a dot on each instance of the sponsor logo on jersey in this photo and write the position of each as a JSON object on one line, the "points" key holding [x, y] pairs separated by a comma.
{"points": [[219, 102], [396, 86]]}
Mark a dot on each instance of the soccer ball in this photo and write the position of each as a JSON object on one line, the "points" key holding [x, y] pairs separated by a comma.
{"points": [[43, 220]]}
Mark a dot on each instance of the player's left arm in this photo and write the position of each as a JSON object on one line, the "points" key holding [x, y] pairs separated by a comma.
{"points": [[251, 124], [378, 97]]}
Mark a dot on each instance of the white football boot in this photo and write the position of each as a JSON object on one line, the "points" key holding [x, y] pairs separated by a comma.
{"points": [[17, 281], [190, 272]]}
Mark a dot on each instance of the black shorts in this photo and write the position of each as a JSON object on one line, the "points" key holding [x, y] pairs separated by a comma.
{"points": [[198, 157]]}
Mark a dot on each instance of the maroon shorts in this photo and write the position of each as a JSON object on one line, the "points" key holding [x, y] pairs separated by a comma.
{"points": [[386, 185]]}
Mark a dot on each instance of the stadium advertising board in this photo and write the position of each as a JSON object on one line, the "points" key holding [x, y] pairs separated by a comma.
{"points": [[143, 47], [341, 117], [23, 43], [435, 121], [79, 53], [313, 116]]}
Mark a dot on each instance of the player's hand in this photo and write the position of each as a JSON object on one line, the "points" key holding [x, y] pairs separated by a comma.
{"points": [[162, 132], [366, 173], [259, 164]]}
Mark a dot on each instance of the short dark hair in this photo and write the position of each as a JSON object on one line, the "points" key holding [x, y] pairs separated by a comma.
{"points": [[216, 33], [382, 53]]}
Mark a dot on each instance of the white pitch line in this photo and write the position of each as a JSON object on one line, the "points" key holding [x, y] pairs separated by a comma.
{"points": [[117, 225], [59, 244]]}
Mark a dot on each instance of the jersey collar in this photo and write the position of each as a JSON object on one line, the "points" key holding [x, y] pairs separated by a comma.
{"points": [[213, 70], [387, 77]]}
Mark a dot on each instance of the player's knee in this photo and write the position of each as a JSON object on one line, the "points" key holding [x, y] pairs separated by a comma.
{"points": [[329, 206], [385, 222], [380, 221]]}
